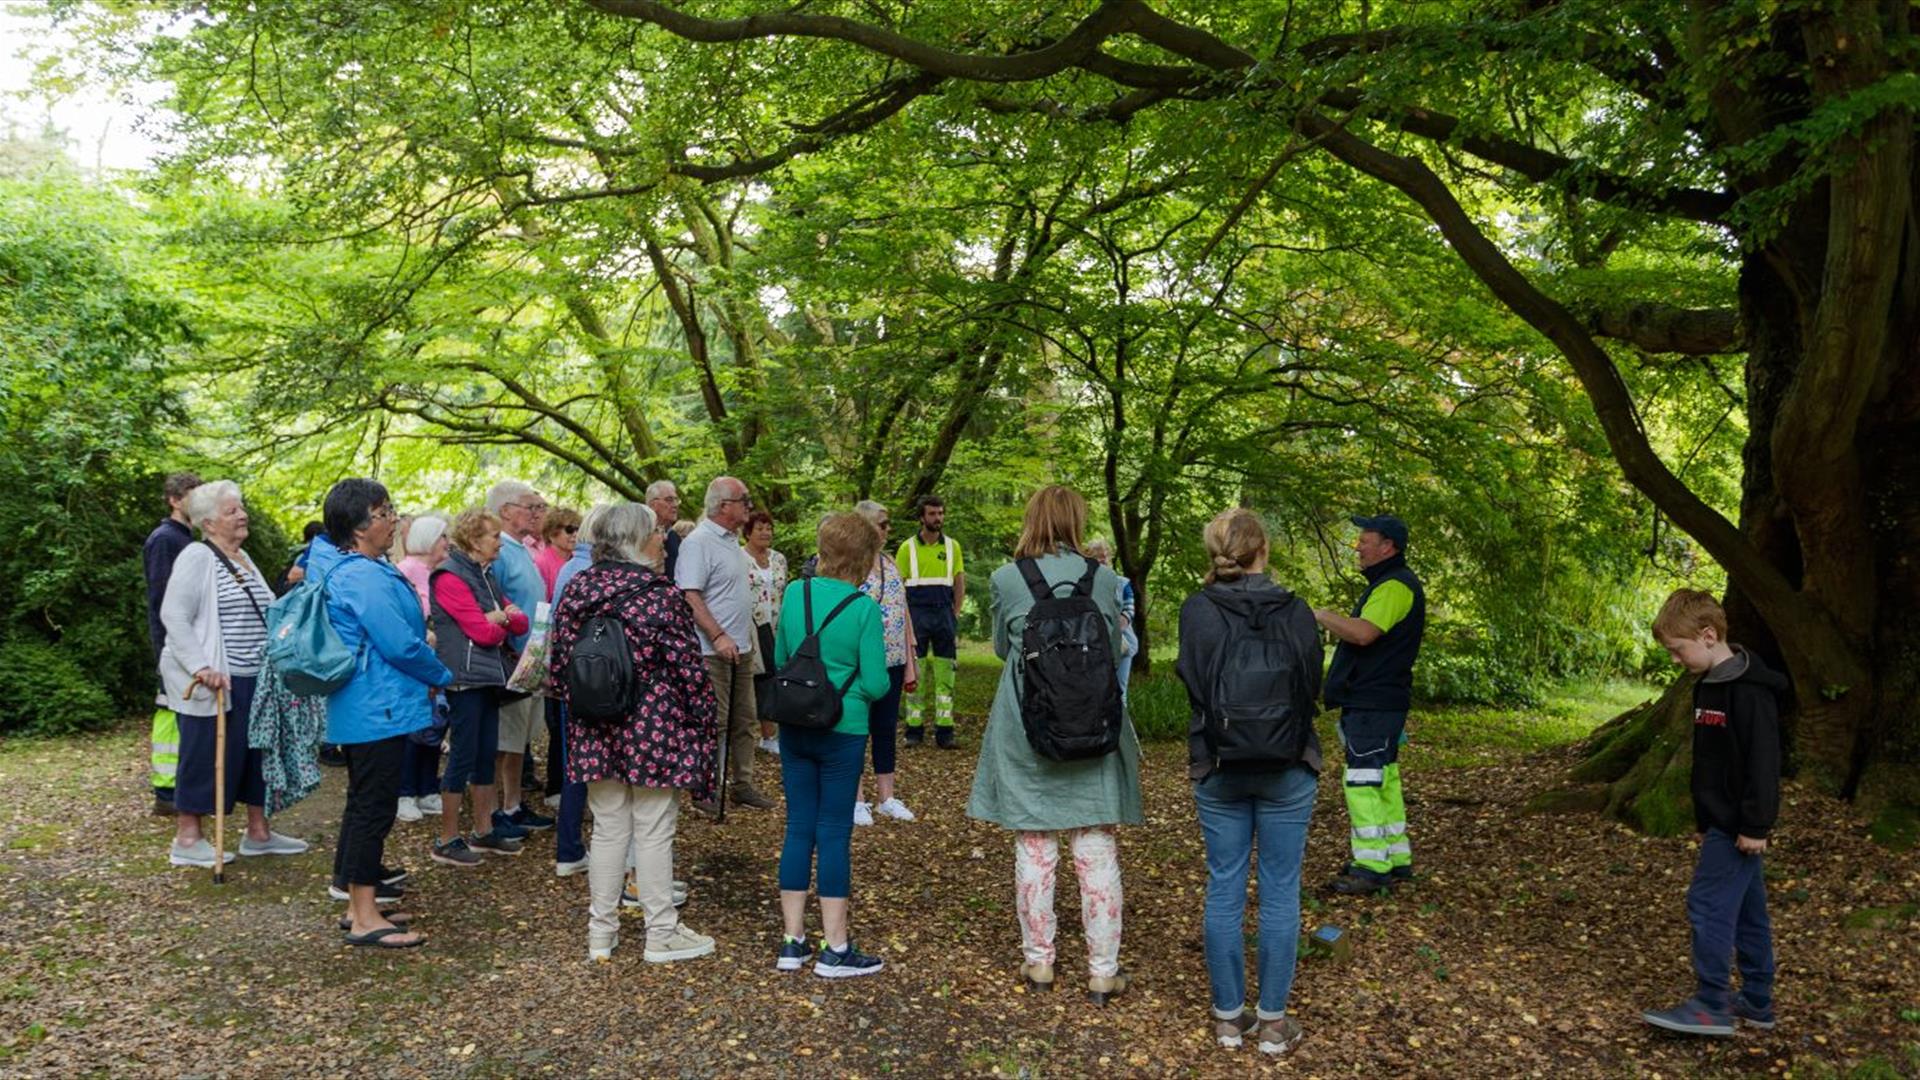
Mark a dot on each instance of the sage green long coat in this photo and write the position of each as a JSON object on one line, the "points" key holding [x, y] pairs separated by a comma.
{"points": [[1017, 788]]}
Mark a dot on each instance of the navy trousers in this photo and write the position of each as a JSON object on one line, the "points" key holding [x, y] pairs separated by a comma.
{"points": [[1727, 905]]}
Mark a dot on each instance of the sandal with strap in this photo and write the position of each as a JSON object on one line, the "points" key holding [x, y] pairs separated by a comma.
{"points": [[383, 939], [397, 918]]}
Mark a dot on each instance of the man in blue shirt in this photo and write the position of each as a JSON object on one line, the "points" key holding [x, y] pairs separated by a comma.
{"points": [[521, 511]]}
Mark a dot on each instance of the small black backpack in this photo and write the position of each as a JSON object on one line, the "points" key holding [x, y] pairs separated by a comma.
{"points": [[802, 696], [1258, 710], [601, 687], [1070, 698]]}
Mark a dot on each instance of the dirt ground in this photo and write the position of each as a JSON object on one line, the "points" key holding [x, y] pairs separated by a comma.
{"points": [[1526, 949]]}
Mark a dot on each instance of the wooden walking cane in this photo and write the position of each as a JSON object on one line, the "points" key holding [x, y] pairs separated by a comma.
{"points": [[219, 787]]}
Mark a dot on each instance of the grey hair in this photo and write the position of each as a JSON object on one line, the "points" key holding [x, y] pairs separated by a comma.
{"points": [[1097, 548], [204, 501], [621, 531], [425, 531], [720, 491], [589, 523], [870, 510], [507, 491], [659, 488]]}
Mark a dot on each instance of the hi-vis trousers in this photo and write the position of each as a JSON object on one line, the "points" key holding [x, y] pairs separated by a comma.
{"points": [[1376, 809]]}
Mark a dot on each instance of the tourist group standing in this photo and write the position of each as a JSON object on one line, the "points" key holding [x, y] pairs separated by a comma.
{"points": [[663, 661]]}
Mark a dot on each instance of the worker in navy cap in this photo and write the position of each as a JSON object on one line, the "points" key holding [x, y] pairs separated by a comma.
{"points": [[1371, 683]]}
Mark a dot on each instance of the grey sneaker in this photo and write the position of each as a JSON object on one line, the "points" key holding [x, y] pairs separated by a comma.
{"points": [[1280, 1036], [494, 844], [1757, 1018], [197, 854], [274, 844], [682, 944], [455, 852], [1233, 1033]]}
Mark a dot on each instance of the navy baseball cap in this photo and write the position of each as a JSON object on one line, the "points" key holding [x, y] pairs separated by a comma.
{"points": [[1386, 525]]}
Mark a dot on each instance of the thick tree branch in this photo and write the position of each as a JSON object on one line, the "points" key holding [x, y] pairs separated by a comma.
{"points": [[1613, 405], [1661, 328]]}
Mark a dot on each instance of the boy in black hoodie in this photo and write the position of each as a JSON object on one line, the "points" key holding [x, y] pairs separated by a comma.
{"points": [[1736, 797]]}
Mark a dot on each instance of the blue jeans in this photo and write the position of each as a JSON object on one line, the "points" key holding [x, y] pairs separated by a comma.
{"points": [[473, 738], [567, 845], [1727, 905], [1235, 809], [820, 771]]}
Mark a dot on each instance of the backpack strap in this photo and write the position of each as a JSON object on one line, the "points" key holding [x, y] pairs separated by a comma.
{"points": [[813, 633], [1084, 587], [1036, 581], [245, 589]]}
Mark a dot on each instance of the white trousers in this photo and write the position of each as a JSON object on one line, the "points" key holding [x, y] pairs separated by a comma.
{"points": [[1096, 864], [641, 819]]}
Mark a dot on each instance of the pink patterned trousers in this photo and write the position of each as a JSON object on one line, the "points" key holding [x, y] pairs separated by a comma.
{"points": [[1096, 864]]}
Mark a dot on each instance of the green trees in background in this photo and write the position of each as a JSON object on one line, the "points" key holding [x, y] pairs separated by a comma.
{"points": [[1504, 269]]}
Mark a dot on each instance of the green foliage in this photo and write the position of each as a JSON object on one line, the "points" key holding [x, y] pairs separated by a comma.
{"points": [[44, 691]]}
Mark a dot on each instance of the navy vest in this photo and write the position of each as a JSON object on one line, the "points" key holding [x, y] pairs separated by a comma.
{"points": [[472, 665], [1380, 676]]}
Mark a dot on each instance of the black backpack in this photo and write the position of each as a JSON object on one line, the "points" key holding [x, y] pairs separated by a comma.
{"points": [[601, 685], [1259, 714], [801, 695], [1070, 699]]}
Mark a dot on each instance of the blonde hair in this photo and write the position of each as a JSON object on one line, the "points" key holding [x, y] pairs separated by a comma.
{"points": [[1056, 517], [1686, 613], [1235, 539], [848, 545], [559, 518], [469, 526]]}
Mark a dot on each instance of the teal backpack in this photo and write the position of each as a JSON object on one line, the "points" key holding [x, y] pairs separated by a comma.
{"points": [[302, 644]]}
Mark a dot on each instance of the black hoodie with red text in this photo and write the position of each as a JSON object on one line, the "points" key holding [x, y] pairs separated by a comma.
{"points": [[1736, 746]]}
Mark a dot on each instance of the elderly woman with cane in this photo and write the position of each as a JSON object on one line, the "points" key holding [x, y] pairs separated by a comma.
{"points": [[215, 615]]}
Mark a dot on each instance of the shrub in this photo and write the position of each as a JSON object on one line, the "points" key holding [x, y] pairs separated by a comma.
{"points": [[44, 691]]}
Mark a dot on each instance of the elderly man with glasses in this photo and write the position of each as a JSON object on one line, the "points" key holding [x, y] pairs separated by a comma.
{"points": [[522, 512], [713, 572], [664, 500]]}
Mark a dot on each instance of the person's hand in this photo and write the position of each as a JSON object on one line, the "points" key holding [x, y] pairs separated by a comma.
{"points": [[296, 574], [513, 609], [1747, 845], [1320, 615], [211, 679], [911, 680], [497, 617], [724, 647], [432, 640]]}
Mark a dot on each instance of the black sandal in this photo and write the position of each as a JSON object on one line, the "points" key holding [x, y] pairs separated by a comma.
{"points": [[397, 918], [381, 939]]}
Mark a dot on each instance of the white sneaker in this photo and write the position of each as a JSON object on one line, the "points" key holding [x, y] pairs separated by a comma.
{"points": [[553, 802], [568, 869], [630, 898], [274, 844], [408, 810], [600, 949], [862, 813], [895, 809], [770, 746], [429, 804], [682, 944], [199, 853]]}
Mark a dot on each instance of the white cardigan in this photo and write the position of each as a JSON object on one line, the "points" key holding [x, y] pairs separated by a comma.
{"points": [[191, 614]]}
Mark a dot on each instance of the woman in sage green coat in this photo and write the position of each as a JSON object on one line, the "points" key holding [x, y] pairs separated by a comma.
{"points": [[1040, 798]]}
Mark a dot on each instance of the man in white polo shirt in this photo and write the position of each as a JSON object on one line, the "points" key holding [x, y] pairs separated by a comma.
{"points": [[712, 572]]}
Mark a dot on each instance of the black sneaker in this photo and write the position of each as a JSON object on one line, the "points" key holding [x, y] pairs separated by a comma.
{"points": [[455, 852], [793, 955], [916, 734], [846, 963], [527, 819], [494, 844], [394, 875], [332, 756], [1359, 881], [382, 894], [943, 738], [163, 806], [1401, 873], [1757, 1018]]}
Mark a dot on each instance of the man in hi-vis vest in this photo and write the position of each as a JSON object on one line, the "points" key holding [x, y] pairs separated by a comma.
{"points": [[930, 563], [1371, 683]]}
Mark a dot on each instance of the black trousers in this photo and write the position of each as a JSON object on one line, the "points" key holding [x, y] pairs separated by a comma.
{"points": [[373, 793]]}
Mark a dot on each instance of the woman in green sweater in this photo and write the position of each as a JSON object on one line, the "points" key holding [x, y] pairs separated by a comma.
{"points": [[821, 769]]}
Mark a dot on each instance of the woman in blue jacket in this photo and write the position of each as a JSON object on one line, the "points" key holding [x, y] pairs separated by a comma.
{"points": [[377, 615]]}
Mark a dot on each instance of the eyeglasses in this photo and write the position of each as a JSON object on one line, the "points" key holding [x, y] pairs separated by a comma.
{"points": [[674, 499], [532, 508], [385, 513], [745, 500], [569, 528]]}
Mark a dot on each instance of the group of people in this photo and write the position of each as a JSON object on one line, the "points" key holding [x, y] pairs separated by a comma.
{"points": [[713, 641]]}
